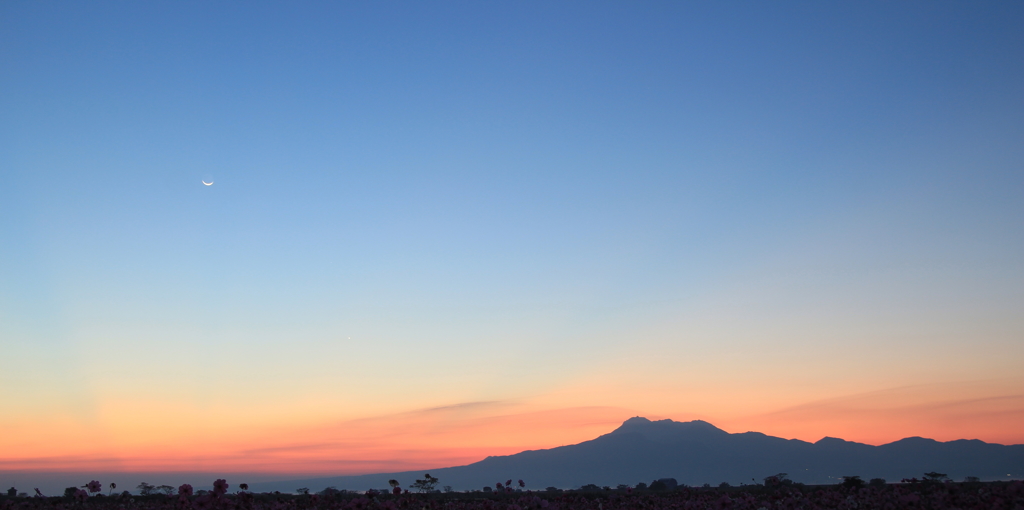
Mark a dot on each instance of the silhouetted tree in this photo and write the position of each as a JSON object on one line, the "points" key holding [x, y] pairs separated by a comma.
{"points": [[852, 482], [12, 492], [427, 484], [935, 477], [145, 489], [877, 482], [670, 483]]}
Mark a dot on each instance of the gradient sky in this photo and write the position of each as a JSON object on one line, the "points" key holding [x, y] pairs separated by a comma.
{"points": [[443, 230]]}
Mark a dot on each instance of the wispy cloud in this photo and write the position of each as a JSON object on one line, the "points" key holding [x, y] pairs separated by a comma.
{"points": [[433, 437], [947, 411]]}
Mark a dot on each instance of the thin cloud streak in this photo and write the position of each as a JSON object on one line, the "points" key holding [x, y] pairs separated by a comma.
{"points": [[426, 438], [944, 412]]}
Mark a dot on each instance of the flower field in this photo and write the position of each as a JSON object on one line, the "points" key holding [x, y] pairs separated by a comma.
{"points": [[935, 496]]}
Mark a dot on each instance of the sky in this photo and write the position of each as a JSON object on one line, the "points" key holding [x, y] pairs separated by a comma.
{"points": [[439, 231]]}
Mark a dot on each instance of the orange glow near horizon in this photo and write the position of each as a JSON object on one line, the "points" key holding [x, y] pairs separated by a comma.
{"points": [[466, 433], [440, 437]]}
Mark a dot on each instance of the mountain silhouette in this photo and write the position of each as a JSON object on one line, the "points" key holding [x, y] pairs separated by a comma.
{"points": [[697, 452]]}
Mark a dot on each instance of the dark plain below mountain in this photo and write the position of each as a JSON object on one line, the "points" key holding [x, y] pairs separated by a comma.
{"points": [[695, 453]]}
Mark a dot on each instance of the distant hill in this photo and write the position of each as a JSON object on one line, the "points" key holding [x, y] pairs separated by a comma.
{"points": [[696, 452]]}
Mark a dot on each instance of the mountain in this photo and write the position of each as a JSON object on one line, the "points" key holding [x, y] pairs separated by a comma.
{"points": [[697, 452]]}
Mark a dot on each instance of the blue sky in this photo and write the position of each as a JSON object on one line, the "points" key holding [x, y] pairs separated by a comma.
{"points": [[505, 200]]}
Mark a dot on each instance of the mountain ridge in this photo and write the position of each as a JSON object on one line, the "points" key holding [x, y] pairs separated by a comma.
{"points": [[697, 452]]}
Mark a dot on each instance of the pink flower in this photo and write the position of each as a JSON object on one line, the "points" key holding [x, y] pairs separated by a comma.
{"points": [[185, 490], [81, 495], [522, 483], [94, 486], [220, 486], [508, 482], [498, 486], [396, 491]]}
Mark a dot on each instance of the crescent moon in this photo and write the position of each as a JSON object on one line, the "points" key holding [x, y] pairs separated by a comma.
{"points": [[208, 183]]}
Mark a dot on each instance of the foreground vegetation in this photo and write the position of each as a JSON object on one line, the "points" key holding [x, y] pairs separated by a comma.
{"points": [[911, 495]]}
